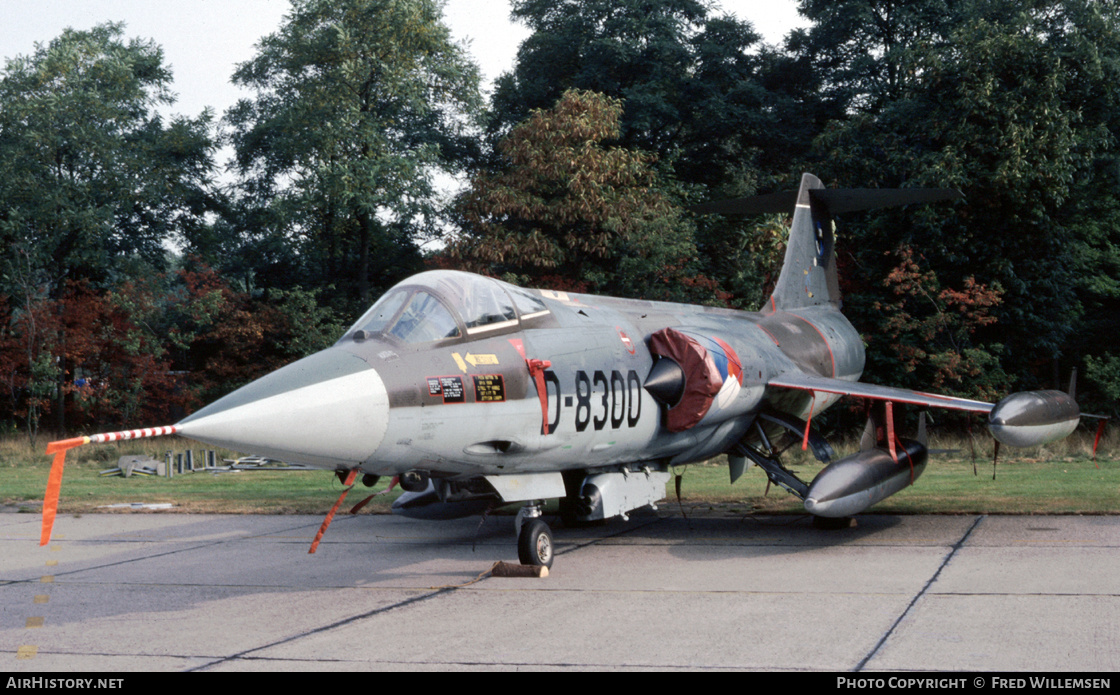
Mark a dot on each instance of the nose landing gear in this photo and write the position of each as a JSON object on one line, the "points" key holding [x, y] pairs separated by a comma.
{"points": [[534, 538]]}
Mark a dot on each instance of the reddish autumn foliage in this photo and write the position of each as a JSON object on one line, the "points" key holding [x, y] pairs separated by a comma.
{"points": [[928, 329], [146, 352], [227, 338], [86, 360]]}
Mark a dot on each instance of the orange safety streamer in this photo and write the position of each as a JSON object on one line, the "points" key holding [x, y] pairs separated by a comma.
{"points": [[808, 422], [392, 484], [893, 442], [349, 483], [1097, 439], [59, 449], [536, 370], [889, 408], [54, 484]]}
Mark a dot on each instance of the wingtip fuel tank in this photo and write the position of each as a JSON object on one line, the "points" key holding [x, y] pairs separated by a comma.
{"points": [[1033, 418]]}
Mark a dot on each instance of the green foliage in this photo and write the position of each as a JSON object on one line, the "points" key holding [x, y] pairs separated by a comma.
{"points": [[42, 379], [1008, 103], [1103, 373], [723, 114], [631, 50], [614, 113], [86, 357], [358, 103], [93, 184], [226, 338], [698, 89], [567, 210], [926, 331], [869, 49], [89, 174], [149, 350]]}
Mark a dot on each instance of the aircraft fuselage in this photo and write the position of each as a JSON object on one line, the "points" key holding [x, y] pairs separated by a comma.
{"points": [[469, 405]]}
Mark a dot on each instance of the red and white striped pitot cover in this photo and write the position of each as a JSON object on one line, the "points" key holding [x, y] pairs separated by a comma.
{"points": [[131, 434]]}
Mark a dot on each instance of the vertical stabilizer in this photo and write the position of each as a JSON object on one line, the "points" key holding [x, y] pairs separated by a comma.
{"points": [[808, 276]]}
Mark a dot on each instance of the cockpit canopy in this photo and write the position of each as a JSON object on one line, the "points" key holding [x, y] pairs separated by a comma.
{"points": [[444, 305]]}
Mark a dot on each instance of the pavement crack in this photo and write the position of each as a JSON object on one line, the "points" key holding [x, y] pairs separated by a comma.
{"points": [[188, 546], [631, 527], [917, 597], [247, 654], [326, 628]]}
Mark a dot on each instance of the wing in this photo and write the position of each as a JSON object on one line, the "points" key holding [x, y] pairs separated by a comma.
{"points": [[811, 382]]}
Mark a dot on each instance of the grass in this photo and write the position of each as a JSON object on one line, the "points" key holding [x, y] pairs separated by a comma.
{"points": [[24, 471], [1060, 478]]}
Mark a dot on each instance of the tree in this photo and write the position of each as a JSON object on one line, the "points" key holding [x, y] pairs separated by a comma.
{"points": [[150, 349], [566, 210], [725, 116], [926, 333], [358, 104], [690, 82], [224, 338], [866, 50], [631, 50], [93, 182], [1010, 108], [90, 175], [1089, 36]]}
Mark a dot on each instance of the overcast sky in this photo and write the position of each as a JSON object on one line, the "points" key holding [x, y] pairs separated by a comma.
{"points": [[203, 40]]}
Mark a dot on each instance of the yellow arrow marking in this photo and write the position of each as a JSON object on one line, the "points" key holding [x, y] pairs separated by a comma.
{"points": [[476, 360]]}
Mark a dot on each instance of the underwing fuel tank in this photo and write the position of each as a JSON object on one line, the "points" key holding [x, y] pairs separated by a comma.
{"points": [[1033, 418], [856, 482]]}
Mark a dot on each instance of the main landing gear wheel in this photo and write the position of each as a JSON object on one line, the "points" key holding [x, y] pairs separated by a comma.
{"points": [[534, 544]]}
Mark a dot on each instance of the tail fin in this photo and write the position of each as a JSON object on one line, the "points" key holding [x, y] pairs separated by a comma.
{"points": [[808, 276]]}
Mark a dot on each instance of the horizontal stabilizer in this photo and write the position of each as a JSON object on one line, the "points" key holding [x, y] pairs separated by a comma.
{"points": [[835, 200]]}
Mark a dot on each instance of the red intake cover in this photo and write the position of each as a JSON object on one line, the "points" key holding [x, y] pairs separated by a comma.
{"points": [[702, 380]]}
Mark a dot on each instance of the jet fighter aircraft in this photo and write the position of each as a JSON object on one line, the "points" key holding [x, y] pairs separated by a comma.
{"points": [[475, 393]]}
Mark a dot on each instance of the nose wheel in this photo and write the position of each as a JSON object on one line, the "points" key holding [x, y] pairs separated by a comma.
{"points": [[534, 540]]}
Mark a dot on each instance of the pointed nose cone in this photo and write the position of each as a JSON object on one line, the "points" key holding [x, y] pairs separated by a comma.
{"points": [[329, 409]]}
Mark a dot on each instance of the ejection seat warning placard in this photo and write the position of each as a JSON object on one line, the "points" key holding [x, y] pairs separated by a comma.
{"points": [[450, 387], [489, 388]]}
